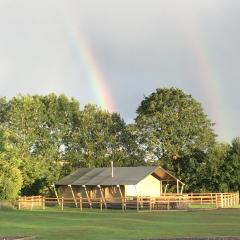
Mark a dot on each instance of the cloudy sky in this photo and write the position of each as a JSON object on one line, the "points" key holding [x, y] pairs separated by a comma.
{"points": [[122, 50]]}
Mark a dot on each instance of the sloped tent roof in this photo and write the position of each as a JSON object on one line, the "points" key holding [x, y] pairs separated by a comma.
{"points": [[122, 176]]}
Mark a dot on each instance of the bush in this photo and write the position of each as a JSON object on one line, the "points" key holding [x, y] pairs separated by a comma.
{"points": [[10, 181]]}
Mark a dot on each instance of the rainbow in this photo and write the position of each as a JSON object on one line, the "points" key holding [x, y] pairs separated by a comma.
{"points": [[209, 81], [91, 68]]}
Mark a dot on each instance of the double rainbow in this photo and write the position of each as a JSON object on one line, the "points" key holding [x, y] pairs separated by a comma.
{"points": [[209, 82]]}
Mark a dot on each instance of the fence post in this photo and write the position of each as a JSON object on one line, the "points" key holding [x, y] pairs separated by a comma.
{"points": [[43, 203], [137, 205], [31, 203], [122, 199], [216, 200], [222, 203], [62, 199], [19, 202], [101, 204], [80, 203]]}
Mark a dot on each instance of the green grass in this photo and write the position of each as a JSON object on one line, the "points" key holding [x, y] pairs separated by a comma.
{"points": [[236, 206], [116, 225], [203, 206]]}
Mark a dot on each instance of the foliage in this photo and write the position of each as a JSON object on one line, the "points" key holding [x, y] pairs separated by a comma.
{"points": [[60, 120], [173, 131], [171, 124], [231, 167], [36, 128], [220, 171], [100, 137], [45, 137], [10, 180], [10, 175], [212, 169], [51, 136]]}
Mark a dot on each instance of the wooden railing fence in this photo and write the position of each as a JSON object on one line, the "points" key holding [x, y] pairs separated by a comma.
{"points": [[166, 202]]}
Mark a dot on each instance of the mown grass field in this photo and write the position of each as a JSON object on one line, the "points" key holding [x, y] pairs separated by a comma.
{"points": [[116, 225]]}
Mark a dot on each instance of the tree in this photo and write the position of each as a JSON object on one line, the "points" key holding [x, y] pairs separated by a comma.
{"points": [[23, 124], [100, 137], [4, 107], [212, 170], [37, 127], [10, 175], [50, 136], [220, 171], [61, 119], [231, 166], [172, 129], [10, 179]]}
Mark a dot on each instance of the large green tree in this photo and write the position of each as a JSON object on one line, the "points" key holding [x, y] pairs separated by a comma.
{"points": [[172, 130], [23, 123], [61, 119], [37, 127]]}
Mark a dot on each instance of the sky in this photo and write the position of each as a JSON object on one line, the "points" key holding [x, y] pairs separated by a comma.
{"points": [[113, 53]]}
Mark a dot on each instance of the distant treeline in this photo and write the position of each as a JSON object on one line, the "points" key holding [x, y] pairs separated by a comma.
{"points": [[43, 138]]}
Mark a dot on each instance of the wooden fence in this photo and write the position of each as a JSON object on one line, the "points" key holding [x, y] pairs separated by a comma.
{"points": [[220, 200], [166, 202], [30, 202]]}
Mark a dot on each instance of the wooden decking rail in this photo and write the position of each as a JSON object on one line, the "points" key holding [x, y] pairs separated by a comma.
{"points": [[165, 202]]}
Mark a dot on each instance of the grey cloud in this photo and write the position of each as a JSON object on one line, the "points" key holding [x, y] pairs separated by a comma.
{"points": [[139, 44]]}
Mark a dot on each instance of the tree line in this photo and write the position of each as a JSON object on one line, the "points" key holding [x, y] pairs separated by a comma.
{"points": [[43, 138]]}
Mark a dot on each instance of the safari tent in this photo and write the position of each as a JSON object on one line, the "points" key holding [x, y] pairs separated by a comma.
{"points": [[118, 182]]}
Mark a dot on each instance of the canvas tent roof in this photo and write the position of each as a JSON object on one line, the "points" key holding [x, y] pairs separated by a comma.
{"points": [[122, 176]]}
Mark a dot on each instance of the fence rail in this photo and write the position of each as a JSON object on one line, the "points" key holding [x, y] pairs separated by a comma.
{"points": [[165, 202]]}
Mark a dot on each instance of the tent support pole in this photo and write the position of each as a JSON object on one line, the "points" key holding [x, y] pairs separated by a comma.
{"points": [[102, 197], [90, 204], [182, 188], [122, 198], [120, 191], [161, 188], [74, 198], [56, 194], [165, 190]]}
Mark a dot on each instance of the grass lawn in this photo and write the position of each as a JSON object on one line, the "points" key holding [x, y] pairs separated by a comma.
{"points": [[115, 225]]}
